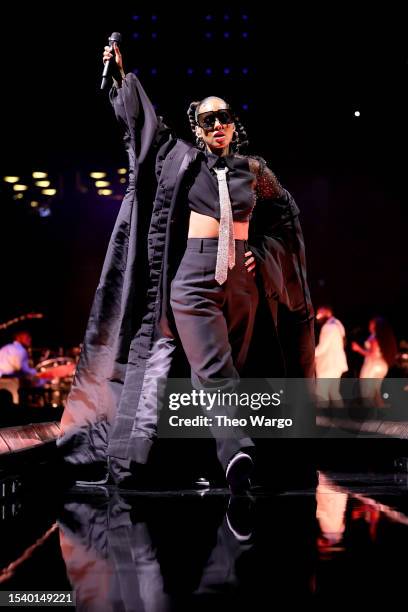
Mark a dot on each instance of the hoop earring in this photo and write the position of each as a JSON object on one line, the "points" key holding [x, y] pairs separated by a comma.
{"points": [[200, 142]]}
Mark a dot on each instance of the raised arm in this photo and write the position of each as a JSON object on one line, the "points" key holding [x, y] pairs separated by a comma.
{"points": [[134, 111]]}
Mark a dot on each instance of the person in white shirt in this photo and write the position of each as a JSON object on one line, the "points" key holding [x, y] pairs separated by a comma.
{"points": [[330, 357], [14, 357], [15, 363]]}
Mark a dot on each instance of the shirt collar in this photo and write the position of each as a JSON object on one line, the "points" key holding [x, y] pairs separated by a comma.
{"points": [[212, 159]]}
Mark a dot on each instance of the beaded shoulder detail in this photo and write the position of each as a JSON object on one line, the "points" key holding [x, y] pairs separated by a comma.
{"points": [[267, 185]]}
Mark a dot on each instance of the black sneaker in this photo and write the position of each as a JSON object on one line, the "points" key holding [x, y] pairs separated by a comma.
{"points": [[238, 472]]}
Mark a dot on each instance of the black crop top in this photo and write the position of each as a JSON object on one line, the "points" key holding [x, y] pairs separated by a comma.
{"points": [[248, 178]]}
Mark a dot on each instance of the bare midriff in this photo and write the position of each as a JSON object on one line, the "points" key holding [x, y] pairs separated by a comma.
{"points": [[203, 226]]}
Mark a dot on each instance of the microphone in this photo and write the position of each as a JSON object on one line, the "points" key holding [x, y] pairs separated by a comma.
{"points": [[115, 37]]}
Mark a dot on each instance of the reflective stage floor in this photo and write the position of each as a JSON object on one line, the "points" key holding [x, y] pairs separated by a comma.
{"points": [[345, 539]]}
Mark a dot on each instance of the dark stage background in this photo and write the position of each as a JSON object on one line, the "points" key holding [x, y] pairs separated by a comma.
{"points": [[296, 78]]}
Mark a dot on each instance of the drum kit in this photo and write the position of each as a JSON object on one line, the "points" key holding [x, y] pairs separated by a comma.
{"points": [[53, 380], [52, 383]]}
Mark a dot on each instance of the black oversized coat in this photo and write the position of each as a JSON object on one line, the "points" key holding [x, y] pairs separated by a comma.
{"points": [[130, 323]]}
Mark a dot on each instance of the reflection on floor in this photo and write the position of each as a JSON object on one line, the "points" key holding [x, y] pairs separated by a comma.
{"points": [[189, 550]]}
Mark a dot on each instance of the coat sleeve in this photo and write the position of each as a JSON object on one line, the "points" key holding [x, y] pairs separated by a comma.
{"points": [[276, 239], [141, 127]]}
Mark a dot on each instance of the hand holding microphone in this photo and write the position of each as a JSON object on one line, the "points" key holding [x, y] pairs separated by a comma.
{"points": [[112, 59]]}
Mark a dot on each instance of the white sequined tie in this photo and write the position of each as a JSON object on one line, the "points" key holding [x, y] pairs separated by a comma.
{"points": [[226, 242]]}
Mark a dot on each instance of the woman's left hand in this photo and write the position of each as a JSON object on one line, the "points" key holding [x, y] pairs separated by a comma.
{"points": [[250, 262]]}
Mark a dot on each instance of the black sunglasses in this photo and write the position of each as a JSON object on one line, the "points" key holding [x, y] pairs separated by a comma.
{"points": [[207, 120]]}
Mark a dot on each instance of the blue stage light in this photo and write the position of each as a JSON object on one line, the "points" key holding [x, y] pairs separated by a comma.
{"points": [[226, 17], [244, 34], [226, 34], [135, 35], [245, 71], [208, 71], [208, 34], [208, 17], [153, 71], [245, 17], [154, 34], [245, 107], [154, 17], [44, 211], [227, 70], [135, 17], [190, 71]]}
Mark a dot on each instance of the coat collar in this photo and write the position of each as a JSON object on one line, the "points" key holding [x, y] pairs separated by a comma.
{"points": [[212, 159]]}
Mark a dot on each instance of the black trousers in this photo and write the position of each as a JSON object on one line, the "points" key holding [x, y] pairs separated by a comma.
{"points": [[215, 324]]}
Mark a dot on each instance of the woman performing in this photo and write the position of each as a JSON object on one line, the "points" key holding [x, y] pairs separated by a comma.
{"points": [[379, 352], [182, 273]]}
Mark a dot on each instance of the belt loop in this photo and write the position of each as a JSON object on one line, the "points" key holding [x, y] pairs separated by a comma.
{"points": [[201, 245]]}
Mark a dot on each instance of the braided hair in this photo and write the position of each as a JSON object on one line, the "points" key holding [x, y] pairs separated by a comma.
{"points": [[240, 139], [191, 114]]}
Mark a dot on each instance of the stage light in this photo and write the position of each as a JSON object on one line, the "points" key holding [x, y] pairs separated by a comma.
{"points": [[357, 113], [135, 35], [154, 34], [18, 196], [122, 171], [245, 106], [208, 71], [226, 34], [105, 192], [226, 71], [153, 71], [34, 204], [190, 71], [245, 71], [154, 17], [97, 175], [42, 183], [244, 34], [122, 180], [226, 17], [44, 211], [208, 17], [20, 187], [208, 34], [49, 192], [245, 17], [102, 183], [11, 179], [40, 175], [136, 17]]}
